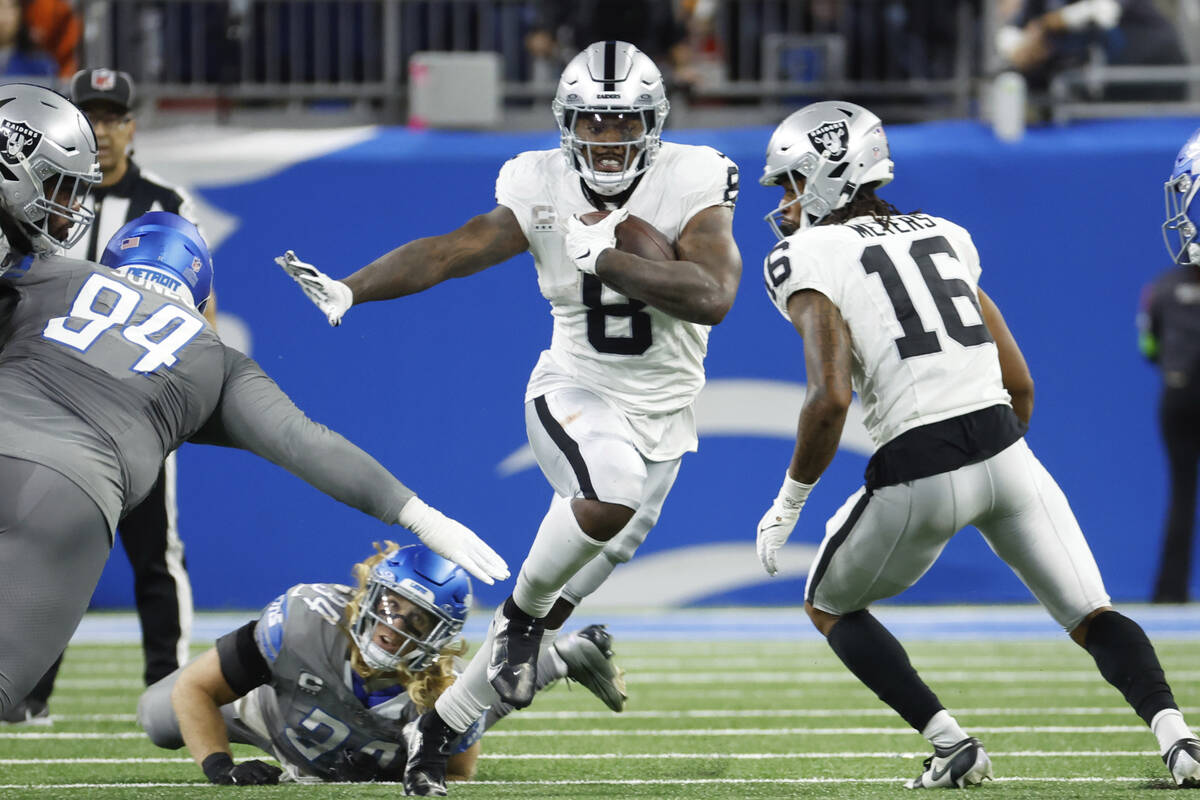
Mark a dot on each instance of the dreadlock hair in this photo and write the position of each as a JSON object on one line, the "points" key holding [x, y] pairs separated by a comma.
{"points": [[423, 687], [864, 203]]}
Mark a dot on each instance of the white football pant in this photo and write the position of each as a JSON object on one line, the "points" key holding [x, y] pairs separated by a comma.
{"points": [[880, 543]]}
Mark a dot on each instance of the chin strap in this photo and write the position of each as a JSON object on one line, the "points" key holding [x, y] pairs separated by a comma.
{"points": [[607, 202]]}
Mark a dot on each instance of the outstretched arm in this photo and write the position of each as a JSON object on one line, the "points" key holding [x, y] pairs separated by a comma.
{"points": [[254, 414], [700, 287], [484, 241]]}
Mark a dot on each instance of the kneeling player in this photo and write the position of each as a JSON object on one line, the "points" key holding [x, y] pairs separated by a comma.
{"points": [[328, 676]]}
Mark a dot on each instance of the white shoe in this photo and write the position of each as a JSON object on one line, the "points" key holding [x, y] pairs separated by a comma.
{"points": [[1183, 759], [955, 767]]}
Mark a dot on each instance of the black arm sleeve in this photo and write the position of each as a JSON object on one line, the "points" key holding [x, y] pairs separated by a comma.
{"points": [[242, 665]]}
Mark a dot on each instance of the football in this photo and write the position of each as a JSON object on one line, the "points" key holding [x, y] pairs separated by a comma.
{"points": [[636, 236]]}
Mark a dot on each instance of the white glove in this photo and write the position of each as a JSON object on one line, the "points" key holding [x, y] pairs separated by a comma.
{"points": [[333, 297], [585, 242], [453, 540], [777, 524], [1102, 13]]}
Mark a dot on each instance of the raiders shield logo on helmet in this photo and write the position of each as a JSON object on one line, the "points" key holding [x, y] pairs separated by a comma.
{"points": [[830, 139], [17, 141]]}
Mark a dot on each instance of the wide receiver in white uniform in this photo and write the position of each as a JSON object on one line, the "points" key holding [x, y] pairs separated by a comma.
{"points": [[609, 407], [889, 306]]}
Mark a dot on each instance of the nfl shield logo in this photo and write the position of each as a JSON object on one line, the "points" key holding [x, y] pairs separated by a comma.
{"points": [[830, 139], [104, 80], [17, 141]]}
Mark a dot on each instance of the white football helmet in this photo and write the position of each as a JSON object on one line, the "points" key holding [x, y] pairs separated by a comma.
{"points": [[47, 165], [610, 78], [837, 147]]}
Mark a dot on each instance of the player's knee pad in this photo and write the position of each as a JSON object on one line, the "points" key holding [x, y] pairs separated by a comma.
{"points": [[1127, 660], [156, 716]]}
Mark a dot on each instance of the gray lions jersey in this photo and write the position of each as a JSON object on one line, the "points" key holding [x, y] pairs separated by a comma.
{"points": [[648, 364], [908, 293], [315, 705], [102, 374]]}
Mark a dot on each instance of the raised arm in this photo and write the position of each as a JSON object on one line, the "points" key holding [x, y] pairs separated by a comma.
{"points": [[484, 241], [1014, 372], [700, 287]]}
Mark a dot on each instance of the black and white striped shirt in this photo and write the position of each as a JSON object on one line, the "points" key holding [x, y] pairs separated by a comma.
{"points": [[135, 194]]}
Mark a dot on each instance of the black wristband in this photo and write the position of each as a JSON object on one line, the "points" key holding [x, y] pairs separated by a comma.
{"points": [[216, 767]]}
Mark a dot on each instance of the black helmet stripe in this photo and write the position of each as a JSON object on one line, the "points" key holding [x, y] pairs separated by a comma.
{"points": [[610, 66]]}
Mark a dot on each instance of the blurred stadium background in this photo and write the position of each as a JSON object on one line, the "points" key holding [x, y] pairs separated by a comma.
{"points": [[342, 129]]}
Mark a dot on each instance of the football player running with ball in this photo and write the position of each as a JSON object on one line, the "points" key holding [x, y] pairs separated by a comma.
{"points": [[326, 678], [609, 406], [889, 307]]}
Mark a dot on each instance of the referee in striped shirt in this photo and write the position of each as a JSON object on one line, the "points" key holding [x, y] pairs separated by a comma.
{"points": [[149, 532]]}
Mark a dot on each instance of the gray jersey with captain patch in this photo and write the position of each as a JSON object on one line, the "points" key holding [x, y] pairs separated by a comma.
{"points": [[310, 709], [103, 374]]}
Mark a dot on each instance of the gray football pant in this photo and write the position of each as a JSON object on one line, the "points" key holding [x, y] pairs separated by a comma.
{"points": [[157, 717], [53, 545]]}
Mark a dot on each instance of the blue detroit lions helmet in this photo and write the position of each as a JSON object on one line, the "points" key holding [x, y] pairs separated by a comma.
{"points": [[1182, 217], [165, 249], [430, 582]]}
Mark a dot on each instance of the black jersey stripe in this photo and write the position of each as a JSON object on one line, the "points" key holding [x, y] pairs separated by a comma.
{"points": [[568, 446], [610, 66], [835, 542]]}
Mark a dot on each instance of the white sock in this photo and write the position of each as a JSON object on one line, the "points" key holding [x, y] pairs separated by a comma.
{"points": [[560, 549], [470, 695], [942, 730], [1169, 728]]}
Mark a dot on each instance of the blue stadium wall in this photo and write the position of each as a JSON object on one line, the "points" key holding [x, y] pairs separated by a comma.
{"points": [[1068, 226]]}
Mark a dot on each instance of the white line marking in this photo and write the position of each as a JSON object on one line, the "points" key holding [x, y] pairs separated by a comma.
{"points": [[643, 782], [496, 734], [644, 757]]}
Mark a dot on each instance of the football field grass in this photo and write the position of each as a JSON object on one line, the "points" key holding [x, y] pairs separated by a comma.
{"points": [[705, 719]]}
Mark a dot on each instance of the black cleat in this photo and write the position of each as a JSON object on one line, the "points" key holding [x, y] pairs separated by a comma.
{"points": [[427, 739], [513, 668], [588, 655]]}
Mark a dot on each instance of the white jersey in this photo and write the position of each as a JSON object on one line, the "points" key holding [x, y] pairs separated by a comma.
{"points": [[647, 364], [909, 295]]}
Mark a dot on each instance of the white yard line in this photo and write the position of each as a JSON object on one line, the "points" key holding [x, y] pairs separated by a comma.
{"points": [[585, 732], [646, 757]]}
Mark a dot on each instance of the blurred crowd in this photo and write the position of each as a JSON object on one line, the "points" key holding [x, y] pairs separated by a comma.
{"points": [[704, 46]]}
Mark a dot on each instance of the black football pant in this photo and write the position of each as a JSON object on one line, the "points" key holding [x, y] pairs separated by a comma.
{"points": [[1179, 419], [161, 589]]}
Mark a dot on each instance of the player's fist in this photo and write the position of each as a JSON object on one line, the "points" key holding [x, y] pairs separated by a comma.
{"points": [[331, 296], [453, 540], [585, 242]]}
